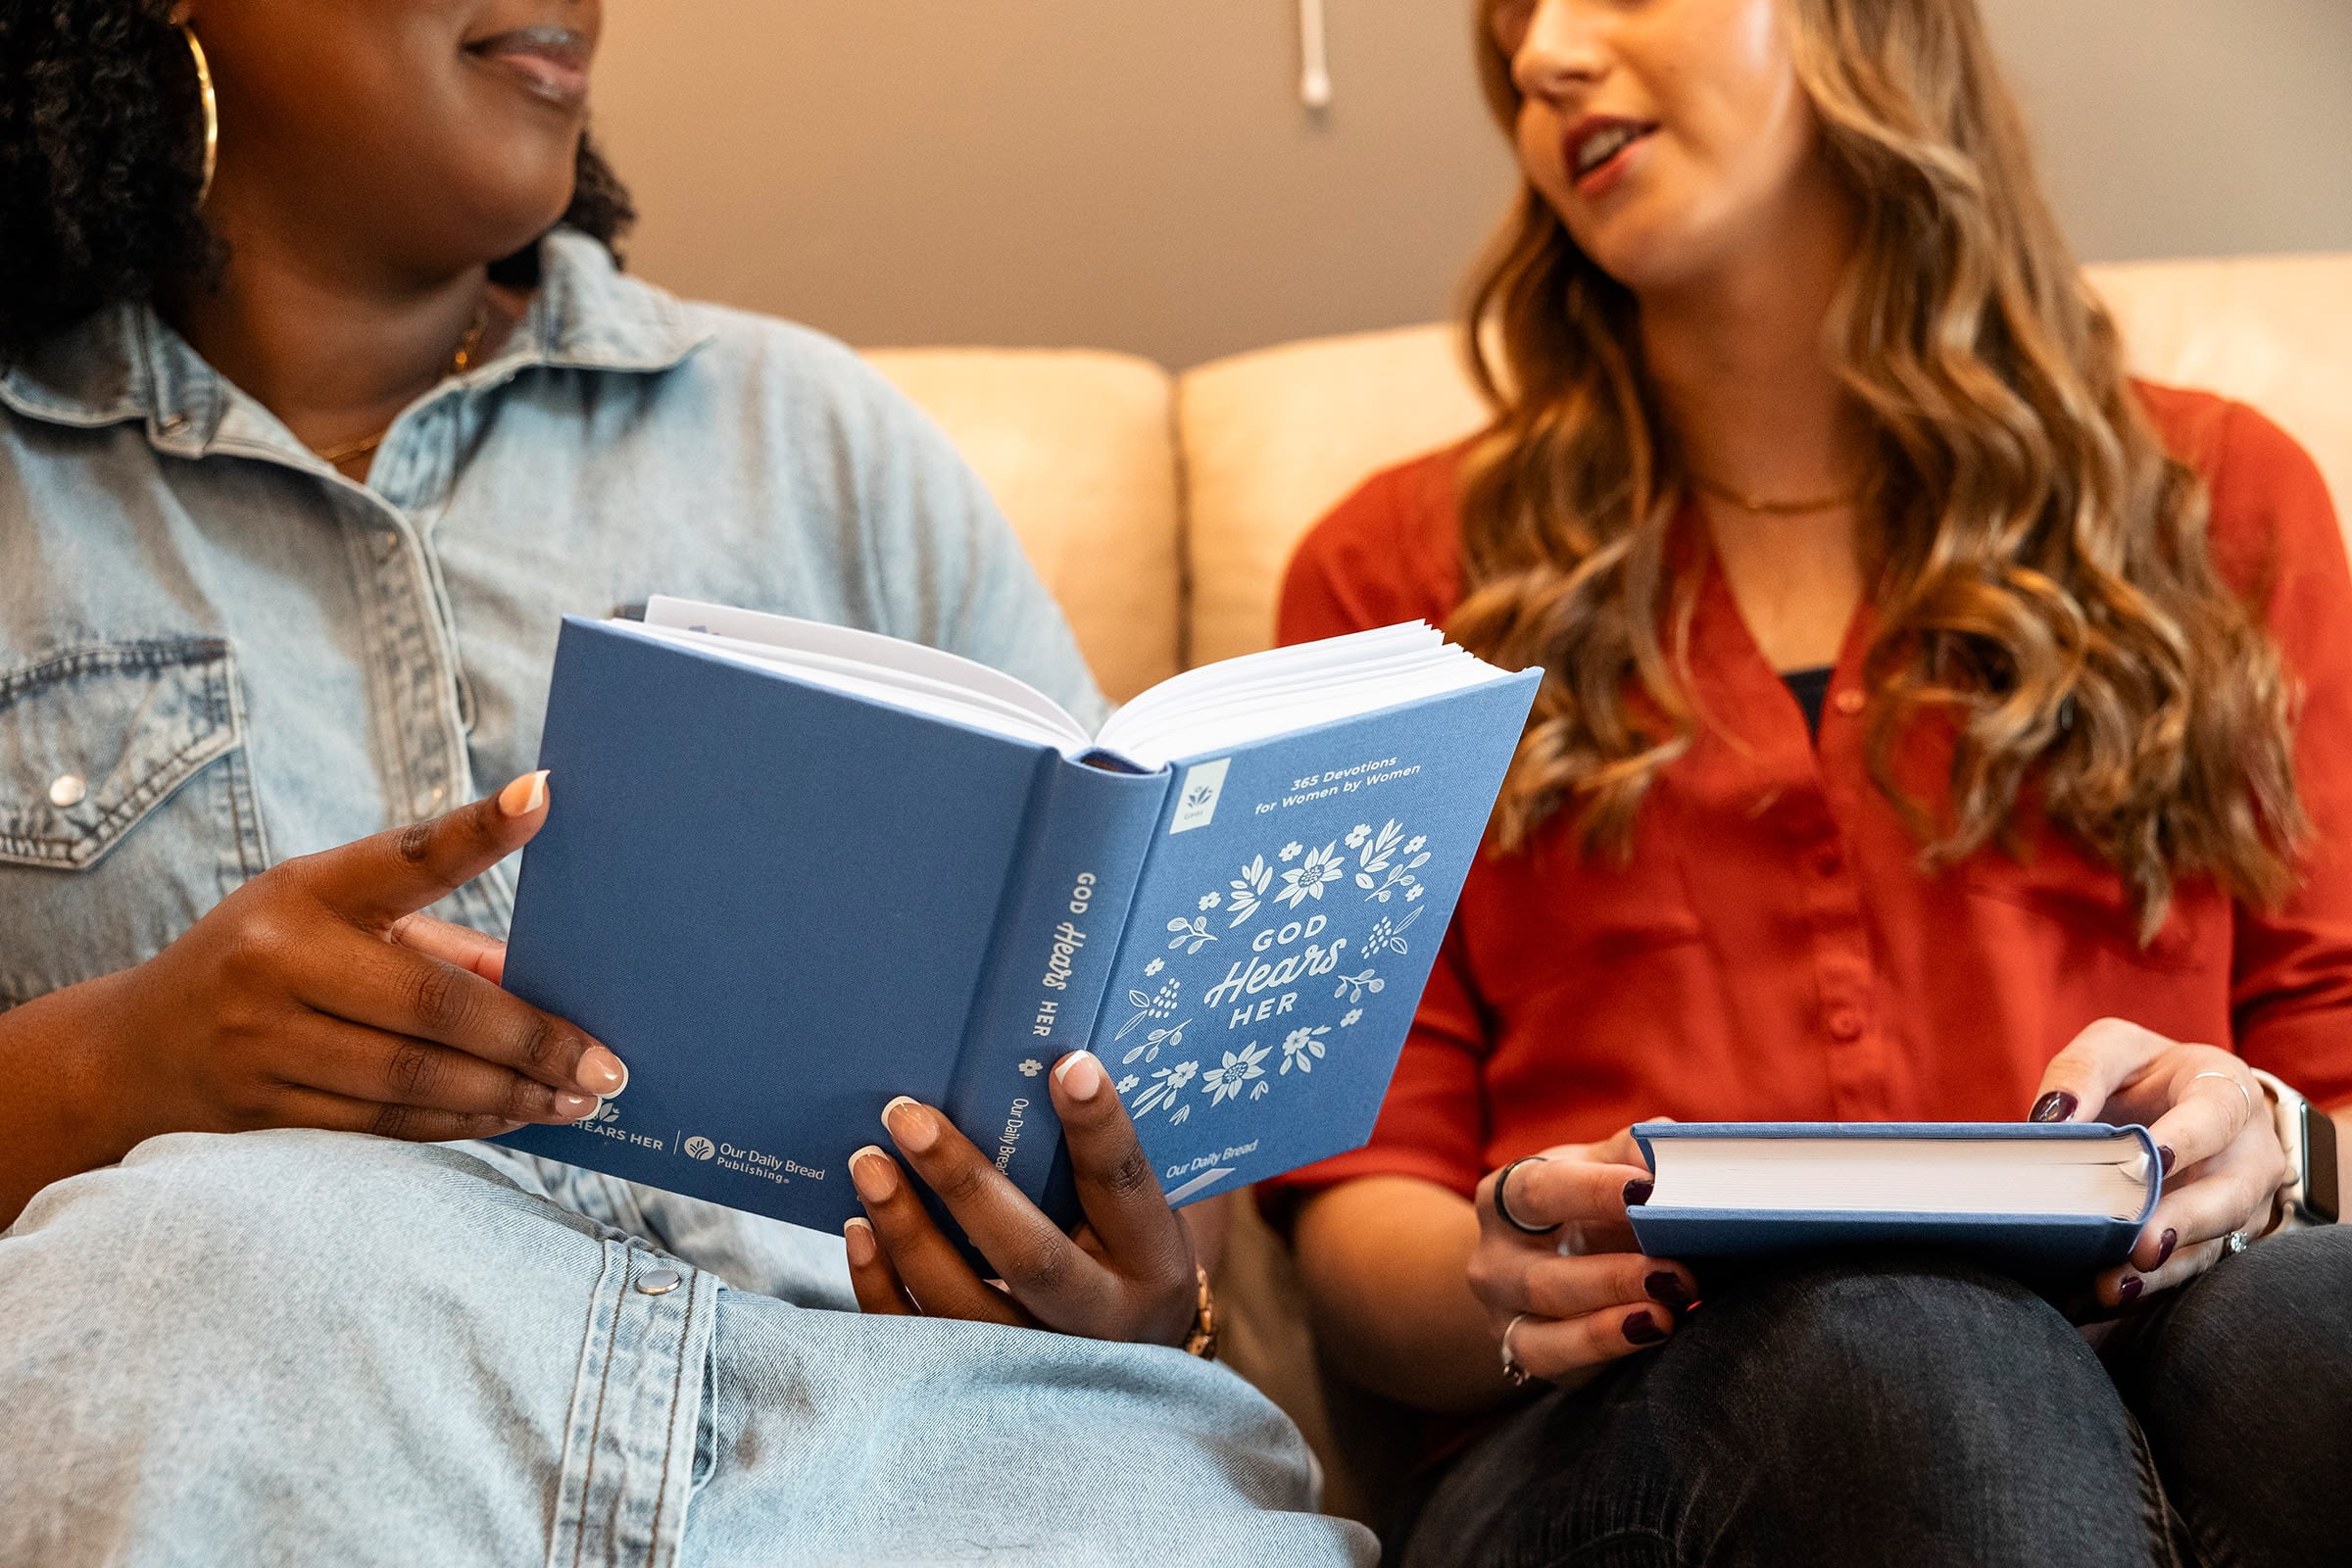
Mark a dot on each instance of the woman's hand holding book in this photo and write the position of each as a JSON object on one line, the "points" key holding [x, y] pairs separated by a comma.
{"points": [[1565, 1301], [2215, 1138], [1127, 1274], [313, 996], [317, 995]]}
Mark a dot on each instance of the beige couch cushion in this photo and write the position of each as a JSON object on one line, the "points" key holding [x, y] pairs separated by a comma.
{"points": [[2272, 330], [1272, 439], [1078, 448]]}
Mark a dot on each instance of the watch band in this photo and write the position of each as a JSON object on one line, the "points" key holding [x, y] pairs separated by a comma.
{"points": [[2311, 1193]]}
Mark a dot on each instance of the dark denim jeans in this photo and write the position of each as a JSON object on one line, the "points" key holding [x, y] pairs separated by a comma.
{"points": [[1916, 1412]]}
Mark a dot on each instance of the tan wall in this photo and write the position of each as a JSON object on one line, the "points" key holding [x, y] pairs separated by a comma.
{"points": [[1139, 174], [1123, 173]]}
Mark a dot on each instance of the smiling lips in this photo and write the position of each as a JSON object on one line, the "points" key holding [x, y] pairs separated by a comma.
{"points": [[1597, 145], [548, 62]]}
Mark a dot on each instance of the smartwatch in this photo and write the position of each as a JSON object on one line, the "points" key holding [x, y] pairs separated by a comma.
{"points": [[2312, 1194]]}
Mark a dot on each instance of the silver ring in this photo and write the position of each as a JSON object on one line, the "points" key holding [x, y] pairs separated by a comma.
{"points": [[2234, 1082], [1502, 1210], [1511, 1369], [2232, 1244]]}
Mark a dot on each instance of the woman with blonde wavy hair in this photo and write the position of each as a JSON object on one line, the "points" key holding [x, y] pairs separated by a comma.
{"points": [[1939, 725]]}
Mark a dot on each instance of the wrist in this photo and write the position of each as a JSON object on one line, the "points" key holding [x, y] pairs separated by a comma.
{"points": [[65, 1104], [2310, 1193], [107, 1091]]}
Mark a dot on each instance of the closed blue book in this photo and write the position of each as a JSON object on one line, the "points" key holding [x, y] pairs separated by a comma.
{"points": [[2041, 1200], [792, 871]]}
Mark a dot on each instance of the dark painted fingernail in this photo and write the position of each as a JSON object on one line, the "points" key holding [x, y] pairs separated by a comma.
{"points": [[2056, 1105], [2165, 1157], [2129, 1292], [1638, 1191], [1642, 1329], [1667, 1288], [2164, 1245]]}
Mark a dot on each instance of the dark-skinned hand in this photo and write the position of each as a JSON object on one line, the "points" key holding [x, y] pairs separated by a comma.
{"points": [[1127, 1274], [315, 995]]}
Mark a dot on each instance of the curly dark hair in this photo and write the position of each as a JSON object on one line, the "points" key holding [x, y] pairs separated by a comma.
{"points": [[101, 160]]}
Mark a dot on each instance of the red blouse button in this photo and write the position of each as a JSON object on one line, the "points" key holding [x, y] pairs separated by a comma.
{"points": [[1845, 1023], [1849, 701], [1830, 861]]}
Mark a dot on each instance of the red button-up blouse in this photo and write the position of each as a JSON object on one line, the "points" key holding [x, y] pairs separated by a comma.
{"points": [[1774, 949]]}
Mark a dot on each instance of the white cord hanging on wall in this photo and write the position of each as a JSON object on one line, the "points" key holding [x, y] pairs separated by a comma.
{"points": [[1314, 57]]}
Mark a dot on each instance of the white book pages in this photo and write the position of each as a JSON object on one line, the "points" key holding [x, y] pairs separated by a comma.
{"points": [[2105, 1176], [1218, 706], [899, 687], [791, 636], [1353, 650], [1254, 715]]}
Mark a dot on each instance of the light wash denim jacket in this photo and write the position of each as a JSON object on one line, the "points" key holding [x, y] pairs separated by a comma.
{"points": [[215, 652], [301, 1346]]}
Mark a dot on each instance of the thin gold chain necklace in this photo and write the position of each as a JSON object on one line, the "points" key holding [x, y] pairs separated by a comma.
{"points": [[1776, 508], [459, 363]]}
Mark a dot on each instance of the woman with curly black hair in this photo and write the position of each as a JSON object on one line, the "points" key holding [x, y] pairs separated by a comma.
{"points": [[321, 397]]}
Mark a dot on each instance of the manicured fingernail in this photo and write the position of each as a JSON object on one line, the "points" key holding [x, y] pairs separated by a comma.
{"points": [[1079, 1075], [2056, 1105], [1638, 1191], [858, 1237], [572, 1106], [601, 1072], [1642, 1329], [873, 1174], [1667, 1288], [524, 796], [2129, 1290], [2165, 1157], [2164, 1245], [911, 1124]]}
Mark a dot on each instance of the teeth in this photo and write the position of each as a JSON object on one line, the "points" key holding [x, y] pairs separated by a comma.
{"points": [[1599, 147]]}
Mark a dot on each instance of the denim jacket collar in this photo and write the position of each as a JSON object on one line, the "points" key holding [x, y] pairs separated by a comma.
{"points": [[126, 363]]}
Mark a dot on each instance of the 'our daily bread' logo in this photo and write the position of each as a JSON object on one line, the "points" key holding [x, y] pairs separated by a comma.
{"points": [[700, 1148], [1197, 795]]}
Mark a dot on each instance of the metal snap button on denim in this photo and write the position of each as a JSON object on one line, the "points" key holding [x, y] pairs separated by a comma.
{"points": [[659, 1282], [68, 790]]}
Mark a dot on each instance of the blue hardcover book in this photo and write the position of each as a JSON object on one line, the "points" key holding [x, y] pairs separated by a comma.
{"points": [[2038, 1200], [794, 870]]}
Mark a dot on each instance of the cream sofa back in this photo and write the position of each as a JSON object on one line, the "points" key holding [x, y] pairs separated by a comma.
{"points": [[1160, 510]]}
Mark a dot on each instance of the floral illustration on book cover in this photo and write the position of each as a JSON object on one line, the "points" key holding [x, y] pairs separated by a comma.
{"points": [[1260, 980]]}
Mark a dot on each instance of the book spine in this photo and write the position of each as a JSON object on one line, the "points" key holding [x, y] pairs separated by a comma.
{"points": [[1057, 930]]}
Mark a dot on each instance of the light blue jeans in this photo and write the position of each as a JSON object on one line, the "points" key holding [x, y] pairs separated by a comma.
{"points": [[319, 1347]]}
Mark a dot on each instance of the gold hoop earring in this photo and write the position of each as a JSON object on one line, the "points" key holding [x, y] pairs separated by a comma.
{"points": [[212, 111]]}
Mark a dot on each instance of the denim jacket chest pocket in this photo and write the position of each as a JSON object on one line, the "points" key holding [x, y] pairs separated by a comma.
{"points": [[127, 805]]}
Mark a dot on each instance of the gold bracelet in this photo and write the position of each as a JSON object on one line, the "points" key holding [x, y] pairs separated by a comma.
{"points": [[1202, 1341]]}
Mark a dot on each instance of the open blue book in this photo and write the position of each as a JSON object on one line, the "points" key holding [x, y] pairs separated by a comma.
{"points": [[794, 870], [2038, 1201]]}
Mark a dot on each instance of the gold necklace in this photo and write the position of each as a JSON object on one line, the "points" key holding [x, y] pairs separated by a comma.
{"points": [[1775, 509], [459, 363]]}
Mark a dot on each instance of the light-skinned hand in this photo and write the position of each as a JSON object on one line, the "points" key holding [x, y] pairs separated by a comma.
{"points": [[1581, 1295], [2219, 1146]]}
